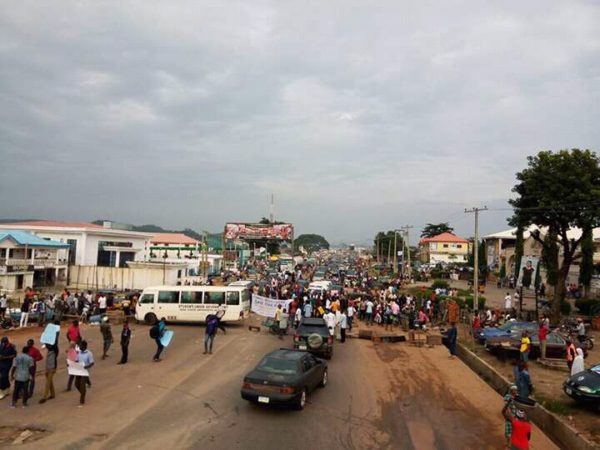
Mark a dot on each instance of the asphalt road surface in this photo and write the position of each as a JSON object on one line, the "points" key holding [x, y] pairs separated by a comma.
{"points": [[379, 396]]}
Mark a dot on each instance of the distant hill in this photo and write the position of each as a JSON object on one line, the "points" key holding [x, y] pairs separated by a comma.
{"points": [[16, 220], [151, 228]]}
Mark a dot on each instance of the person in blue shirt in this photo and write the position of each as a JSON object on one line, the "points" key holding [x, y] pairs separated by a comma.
{"points": [[213, 322], [86, 358], [161, 327], [523, 380], [452, 336]]}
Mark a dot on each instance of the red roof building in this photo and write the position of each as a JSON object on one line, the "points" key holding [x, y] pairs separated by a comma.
{"points": [[444, 248]]}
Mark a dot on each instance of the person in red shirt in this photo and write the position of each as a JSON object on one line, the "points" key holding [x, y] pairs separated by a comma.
{"points": [[36, 356], [521, 431], [73, 333], [542, 334]]}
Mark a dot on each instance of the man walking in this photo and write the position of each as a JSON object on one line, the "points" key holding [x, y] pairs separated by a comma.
{"points": [[3, 305], [51, 365], [452, 337], [508, 303], [525, 346], [107, 337], [87, 359], [36, 356], [25, 307], [283, 323], [7, 354], [343, 323], [369, 312], [542, 335], [125, 338], [21, 374], [350, 316], [156, 333], [213, 322]]}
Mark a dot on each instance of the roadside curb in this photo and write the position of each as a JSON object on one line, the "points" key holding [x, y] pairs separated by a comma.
{"points": [[555, 428]]}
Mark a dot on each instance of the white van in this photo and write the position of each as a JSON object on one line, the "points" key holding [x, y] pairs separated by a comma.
{"points": [[192, 303]]}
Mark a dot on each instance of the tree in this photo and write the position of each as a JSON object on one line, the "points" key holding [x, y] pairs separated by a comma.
{"points": [[586, 266], [558, 191], [433, 229], [311, 242]]}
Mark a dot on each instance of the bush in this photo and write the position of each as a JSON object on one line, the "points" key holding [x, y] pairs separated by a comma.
{"points": [[480, 302], [565, 308], [441, 284], [585, 305]]}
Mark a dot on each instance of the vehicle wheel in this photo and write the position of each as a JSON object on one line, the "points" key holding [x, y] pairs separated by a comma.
{"points": [[314, 341], [150, 319], [324, 380], [302, 400]]}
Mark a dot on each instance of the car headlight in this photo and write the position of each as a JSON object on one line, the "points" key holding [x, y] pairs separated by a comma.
{"points": [[586, 389]]}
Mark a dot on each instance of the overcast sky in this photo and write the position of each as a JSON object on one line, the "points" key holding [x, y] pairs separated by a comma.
{"points": [[358, 116]]}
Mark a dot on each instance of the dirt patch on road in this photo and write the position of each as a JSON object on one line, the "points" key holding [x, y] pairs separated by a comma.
{"points": [[423, 407], [21, 435]]}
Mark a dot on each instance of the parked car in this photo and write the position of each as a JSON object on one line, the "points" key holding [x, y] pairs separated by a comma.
{"points": [[284, 377], [505, 330], [556, 345], [313, 336], [584, 387]]}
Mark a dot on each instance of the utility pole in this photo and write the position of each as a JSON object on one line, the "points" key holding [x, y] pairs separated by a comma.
{"points": [[476, 257], [395, 252], [406, 249]]}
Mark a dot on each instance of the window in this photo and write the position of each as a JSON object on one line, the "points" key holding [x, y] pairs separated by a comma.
{"points": [[445, 245], [458, 245], [214, 298], [233, 298], [307, 364], [432, 246], [191, 297], [147, 298], [168, 297]]}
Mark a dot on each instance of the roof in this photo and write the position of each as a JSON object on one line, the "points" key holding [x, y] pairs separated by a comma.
{"points": [[30, 240], [54, 223], [444, 237], [573, 233], [173, 238]]}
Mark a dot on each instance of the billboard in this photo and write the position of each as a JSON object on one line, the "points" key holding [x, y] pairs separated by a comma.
{"points": [[281, 231], [527, 272]]}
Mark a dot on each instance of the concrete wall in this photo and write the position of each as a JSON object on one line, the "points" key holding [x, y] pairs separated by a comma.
{"points": [[562, 434], [90, 277]]}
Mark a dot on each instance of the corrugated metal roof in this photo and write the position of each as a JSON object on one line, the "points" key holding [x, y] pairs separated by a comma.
{"points": [[31, 240], [172, 238]]}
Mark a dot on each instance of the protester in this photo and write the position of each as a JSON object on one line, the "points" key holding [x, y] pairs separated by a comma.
{"points": [[510, 408], [36, 356], [81, 382], [213, 323], [524, 385], [21, 374], [74, 333], [156, 333], [308, 309], [125, 338], [542, 336], [3, 305], [330, 320], [71, 356], [107, 337], [343, 324], [7, 354], [508, 302], [452, 337], [578, 363], [525, 346], [520, 430], [283, 323], [298, 317], [102, 304], [369, 312], [51, 366], [571, 353], [25, 306], [580, 330]]}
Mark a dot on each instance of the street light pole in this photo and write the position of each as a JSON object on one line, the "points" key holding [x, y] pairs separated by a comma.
{"points": [[476, 258]]}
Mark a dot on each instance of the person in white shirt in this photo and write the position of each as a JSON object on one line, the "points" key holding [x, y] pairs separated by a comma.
{"points": [[329, 318], [102, 304], [369, 312], [343, 322], [298, 317], [350, 316], [507, 302]]}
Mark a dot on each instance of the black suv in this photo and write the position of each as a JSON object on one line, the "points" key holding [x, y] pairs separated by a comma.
{"points": [[313, 335]]}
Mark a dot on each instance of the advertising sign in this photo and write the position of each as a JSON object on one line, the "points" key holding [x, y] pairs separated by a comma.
{"points": [[266, 307], [527, 272], [283, 231]]}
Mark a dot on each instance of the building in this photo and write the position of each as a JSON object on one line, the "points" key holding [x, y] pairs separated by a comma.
{"points": [[27, 260], [444, 248], [90, 244]]}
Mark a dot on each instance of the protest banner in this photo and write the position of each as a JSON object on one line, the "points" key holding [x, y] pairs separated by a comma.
{"points": [[266, 307], [165, 340], [49, 334], [77, 369]]}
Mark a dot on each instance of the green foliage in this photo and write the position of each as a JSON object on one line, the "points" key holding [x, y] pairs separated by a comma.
{"points": [[434, 229], [565, 308], [482, 260], [480, 302], [441, 284], [385, 240], [518, 248], [311, 242], [503, 271], [559, 191], [550, 254], [586, 305]]}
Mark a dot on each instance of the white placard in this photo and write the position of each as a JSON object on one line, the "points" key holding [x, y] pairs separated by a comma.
{"points": [[77, 369], [265, 306]]}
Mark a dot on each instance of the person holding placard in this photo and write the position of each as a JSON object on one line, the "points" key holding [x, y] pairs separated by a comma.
{"points": [[86, 358]]}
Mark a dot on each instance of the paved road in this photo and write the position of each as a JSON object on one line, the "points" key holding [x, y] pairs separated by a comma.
{"points": [[384, 396]]}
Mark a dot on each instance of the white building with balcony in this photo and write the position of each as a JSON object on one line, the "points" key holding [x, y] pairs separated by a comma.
{"points": [[27, 260]]}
